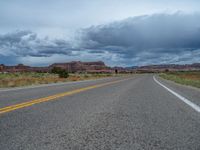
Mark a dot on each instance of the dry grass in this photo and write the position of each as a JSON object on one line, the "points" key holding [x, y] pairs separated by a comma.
{"points": [[26, 79], [191, 78]]}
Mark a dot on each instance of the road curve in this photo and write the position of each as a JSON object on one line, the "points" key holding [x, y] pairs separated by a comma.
{"points": [[123, 113]]}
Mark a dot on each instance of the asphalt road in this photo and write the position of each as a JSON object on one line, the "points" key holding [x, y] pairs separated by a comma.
{"points": [[123, 113]]}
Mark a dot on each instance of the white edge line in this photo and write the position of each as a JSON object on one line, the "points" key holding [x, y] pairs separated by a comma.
{"points": [[185, 100]]}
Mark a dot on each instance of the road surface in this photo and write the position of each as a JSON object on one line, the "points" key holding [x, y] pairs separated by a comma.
{"points": [[121, 113]]}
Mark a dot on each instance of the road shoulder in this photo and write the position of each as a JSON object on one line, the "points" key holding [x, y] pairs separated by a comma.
{"points": [[188, 92]]}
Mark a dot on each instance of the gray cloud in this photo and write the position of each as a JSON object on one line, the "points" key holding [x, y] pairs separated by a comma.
{"points": [[26, 43], [26, 47], [150, 39], [20, 45], [158, 38]]}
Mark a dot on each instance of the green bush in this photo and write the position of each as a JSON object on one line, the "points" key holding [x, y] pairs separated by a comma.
{"points": [[56, 70], [61, 72]]}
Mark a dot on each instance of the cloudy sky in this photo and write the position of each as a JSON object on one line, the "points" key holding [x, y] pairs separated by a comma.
{"points": [[118, 32]]}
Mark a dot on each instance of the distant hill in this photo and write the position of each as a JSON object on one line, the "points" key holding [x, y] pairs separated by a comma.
{"points": [[100, 67], [72, 67], [169, 67]]}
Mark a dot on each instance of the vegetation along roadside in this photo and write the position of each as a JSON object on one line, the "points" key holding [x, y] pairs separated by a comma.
{"points": [[191, 78], [32, 78]]}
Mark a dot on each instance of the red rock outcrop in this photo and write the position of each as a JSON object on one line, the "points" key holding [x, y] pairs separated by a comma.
{"points": [[77, 66], [72, 67]]}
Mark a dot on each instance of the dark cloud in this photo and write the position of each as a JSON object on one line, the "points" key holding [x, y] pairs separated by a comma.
{"points": [[150, 39], [20, 45], [26, 43], [147, 38]]}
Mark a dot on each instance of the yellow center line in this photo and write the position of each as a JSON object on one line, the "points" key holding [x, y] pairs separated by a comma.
{"points": [[54, 97]]}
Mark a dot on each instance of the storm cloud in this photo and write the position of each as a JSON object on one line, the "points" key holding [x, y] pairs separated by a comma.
{"points": [[26, 43], [22, 44], [149, 39], [158, 38], [26, 47]]}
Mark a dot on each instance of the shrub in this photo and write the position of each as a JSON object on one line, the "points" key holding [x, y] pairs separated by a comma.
{"points": [[61, 72], [56, 70]]}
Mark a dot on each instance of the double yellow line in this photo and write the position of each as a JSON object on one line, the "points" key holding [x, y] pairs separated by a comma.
{"points": [[53, 97]]}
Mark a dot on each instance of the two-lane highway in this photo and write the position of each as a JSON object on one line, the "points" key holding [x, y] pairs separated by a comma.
{"points": [[114, 113]]}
